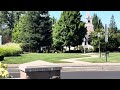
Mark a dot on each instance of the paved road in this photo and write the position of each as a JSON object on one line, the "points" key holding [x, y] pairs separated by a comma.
{"points": [[91, 75], [78, 74]]}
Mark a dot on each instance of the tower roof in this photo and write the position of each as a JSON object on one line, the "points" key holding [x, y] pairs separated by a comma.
{"points": [[88, 14]]}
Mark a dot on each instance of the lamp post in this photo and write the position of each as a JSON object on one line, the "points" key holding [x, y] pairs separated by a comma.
{"points": [[106, 39], [99, 43], [84, 44]]}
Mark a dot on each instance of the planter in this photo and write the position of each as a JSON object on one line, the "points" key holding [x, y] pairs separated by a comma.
{"points": [[1, 58]]}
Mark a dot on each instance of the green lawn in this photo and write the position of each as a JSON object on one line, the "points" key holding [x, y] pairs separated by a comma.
{"points": [[50, 57], [113, 58]]}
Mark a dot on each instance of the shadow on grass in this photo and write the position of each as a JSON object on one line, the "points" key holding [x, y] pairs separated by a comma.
{"points": [[13, 56]]}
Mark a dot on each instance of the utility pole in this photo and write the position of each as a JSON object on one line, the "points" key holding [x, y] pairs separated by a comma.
{"points": [[99, 44], [106, 39], [84, 44]]}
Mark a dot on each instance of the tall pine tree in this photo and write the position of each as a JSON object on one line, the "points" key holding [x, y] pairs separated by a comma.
{"points": [[97, 22], [112, 25]]}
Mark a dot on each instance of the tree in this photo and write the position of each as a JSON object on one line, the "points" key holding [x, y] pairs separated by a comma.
{"points": [[5, 28], [94, 39], [21, 32], [34, 30], [3, 17], [43, 29], [112, 25], [7, 20], [57, 35], [118, 39], [53, 20], [17, 15], [113, 37], [69, 29], [97, 22], [113, 40]]}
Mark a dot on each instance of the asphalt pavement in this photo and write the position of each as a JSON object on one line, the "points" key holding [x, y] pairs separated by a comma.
{"points": [[91, 75]]}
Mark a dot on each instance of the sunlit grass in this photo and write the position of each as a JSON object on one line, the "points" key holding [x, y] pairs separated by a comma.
{"points": [[50, 57]]}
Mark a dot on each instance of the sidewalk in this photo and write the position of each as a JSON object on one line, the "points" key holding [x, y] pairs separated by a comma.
{"points": [[75, 62], [13, 65]]}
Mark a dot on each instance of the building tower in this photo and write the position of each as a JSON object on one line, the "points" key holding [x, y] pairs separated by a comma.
{"points": [[88, 23], [90, 28]]}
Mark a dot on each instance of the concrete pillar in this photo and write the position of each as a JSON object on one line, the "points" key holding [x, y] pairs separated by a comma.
{"points": [[39, 70]]}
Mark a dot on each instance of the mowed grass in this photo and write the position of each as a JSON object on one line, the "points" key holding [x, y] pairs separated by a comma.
{"points": [[50, 57], [113, 58]]}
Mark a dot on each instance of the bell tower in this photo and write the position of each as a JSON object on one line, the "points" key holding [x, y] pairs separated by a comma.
{"points": [[90, 28], [88, 23]]}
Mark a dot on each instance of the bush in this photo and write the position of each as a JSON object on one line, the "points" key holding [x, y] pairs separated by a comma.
{"points": [[2, 51], [25, 47], [91, 49], [3, 71], [80, 47], [10, 49]]}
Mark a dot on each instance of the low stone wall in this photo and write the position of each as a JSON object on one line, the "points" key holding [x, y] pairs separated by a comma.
{"points": [[39, 70]]}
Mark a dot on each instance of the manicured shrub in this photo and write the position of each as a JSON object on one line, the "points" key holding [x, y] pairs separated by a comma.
{"points": [[10, 49]]}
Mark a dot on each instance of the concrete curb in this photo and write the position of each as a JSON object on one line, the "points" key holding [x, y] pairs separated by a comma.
{"points": [[99, 68], [81, 65], [13, 65]]}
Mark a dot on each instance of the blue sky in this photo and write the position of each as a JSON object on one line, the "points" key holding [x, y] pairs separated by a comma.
{"points": [[103, 15]]}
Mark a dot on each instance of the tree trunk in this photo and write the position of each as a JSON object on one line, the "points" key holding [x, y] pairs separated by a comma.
{"points": [[69, 47], [77, 47], [62, 49]]}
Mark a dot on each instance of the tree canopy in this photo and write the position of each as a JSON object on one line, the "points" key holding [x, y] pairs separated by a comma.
{"points": [[69, 30], [34, 30], [97, 22]]}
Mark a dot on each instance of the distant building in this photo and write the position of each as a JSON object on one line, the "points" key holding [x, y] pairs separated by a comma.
{"points": [[88, 23], [90, 28]]}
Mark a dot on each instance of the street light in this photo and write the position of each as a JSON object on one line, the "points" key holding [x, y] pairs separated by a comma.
{"points": [[99, 43], [106, 39], [84, 44]]}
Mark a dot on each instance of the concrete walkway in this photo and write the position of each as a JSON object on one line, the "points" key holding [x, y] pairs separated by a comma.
{"points": [[77, 65], [77, 62]]}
